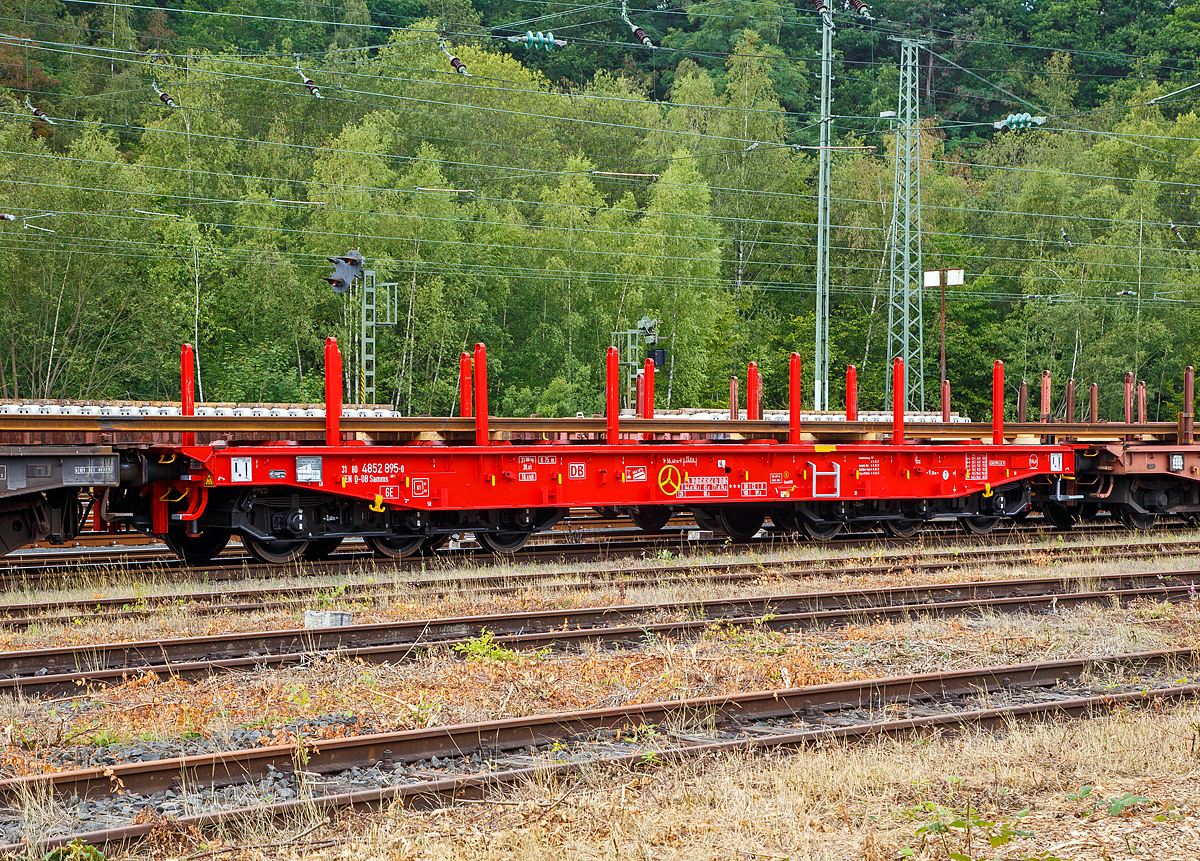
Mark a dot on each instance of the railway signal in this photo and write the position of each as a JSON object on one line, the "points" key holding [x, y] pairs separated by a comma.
{"points": [[345, 270]]}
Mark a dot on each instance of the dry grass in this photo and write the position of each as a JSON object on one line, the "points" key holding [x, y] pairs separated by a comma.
{"points": [[442, 688], [863, 801], [404, 602]]}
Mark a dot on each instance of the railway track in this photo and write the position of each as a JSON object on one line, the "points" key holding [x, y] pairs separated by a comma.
{"points": [[24, 571], [65, 670], [116, 804], [18, 615]]}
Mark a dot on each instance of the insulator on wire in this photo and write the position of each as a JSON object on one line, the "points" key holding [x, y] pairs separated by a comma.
{"points": [[820, 6], [1066, 238], [457, 64], [537, 40], [1178, 235], [638, 32], [308, 82], [640, 35], [39, 113], [860, 9], [7, 217], [163, 97]]}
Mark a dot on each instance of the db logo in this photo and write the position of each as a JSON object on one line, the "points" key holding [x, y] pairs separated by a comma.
{"points": [[1033, 461], [576, 470], [420, 487]]}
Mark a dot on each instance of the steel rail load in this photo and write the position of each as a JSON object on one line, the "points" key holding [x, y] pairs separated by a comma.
{"points": [[288, 490]]}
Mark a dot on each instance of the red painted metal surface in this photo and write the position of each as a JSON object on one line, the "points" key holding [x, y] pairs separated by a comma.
{"points": [[333, 392], [998, 403], [1128, 397], [851, 393], [794, 399], [464, 385], [612, 405], [557, 474], [648, 395], [481, 399], [187, 375], [1189, 402], [753, 400]]}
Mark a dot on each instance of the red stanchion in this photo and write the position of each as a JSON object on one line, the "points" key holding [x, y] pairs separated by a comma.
{"points": [[333, 392], [187, 387], [998, 403], [851, 393], [897, 401], [612, 399], [1189, 401], [648, 395], [464, 385], [794, 399], [481, 401], [752, 395]]}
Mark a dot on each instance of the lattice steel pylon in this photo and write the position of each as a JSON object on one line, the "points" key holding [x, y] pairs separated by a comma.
{"points": [[821, 369], [906, 328], [371, 318]]}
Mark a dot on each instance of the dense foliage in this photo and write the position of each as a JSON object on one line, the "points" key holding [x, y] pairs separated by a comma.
{"points": [[553, 197]]}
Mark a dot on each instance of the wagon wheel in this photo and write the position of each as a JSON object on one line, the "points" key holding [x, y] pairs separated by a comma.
{"points": [[503, 542], [650, 518], [1059, 515], [979, 525], [274, 551], [903, 528], [785, 520], [197, 549], [821, 530], [741, 524], [322, 548], [394, 546], [1136, 519], [706, 519]]}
